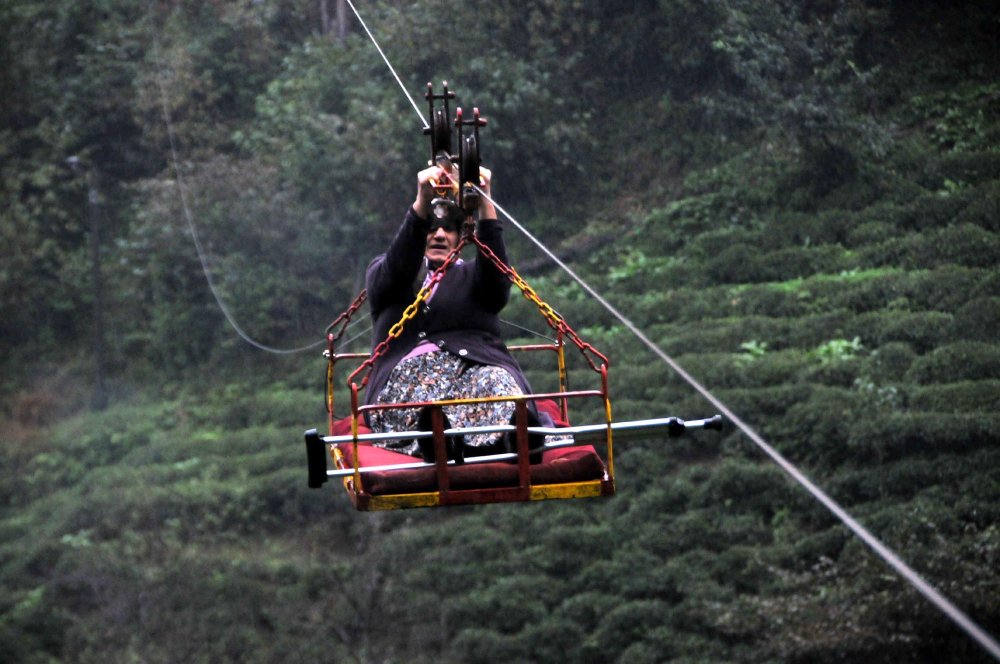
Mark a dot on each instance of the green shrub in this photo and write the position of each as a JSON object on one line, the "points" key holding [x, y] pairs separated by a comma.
{"points": [[742, 263], [890, 362], [626, 624], [552, 640], [905, 478], [768, 401], [842, 373], [716, 369], [815, 429], [871, 232], [964, 360], [637, 272], [933, 211], [968, 396], [922, 330], [871, 294], [838, 350], [720, 334], [585, 608], [962, 244], [712, 242], [791, 229], [670, 495], [506, 603], [804, 261], [949, 287], [737, 264], [768, 300], [979, 320], [694, 216], [810, 331], [905, 434], [984, 208], [744, 487], [805, 547], [34, 626], [971, 167], [775, 368], [104, 438], [958, 244], [693, 304]]}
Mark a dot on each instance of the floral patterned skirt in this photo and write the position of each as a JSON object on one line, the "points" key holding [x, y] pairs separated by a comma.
{"points": [[441, 375]]}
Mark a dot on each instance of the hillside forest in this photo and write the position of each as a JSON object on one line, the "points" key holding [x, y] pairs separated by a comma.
{"points": [[796, 201]]}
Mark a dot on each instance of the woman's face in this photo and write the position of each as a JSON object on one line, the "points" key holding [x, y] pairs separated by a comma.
{"points": [[441, 241]]}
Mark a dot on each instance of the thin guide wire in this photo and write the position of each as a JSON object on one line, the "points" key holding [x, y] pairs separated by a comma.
{"points": [[188, 216]]}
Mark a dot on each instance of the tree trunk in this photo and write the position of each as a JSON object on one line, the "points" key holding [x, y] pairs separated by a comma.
{"points": [[324, 18], [100, 398], [343, 20]]}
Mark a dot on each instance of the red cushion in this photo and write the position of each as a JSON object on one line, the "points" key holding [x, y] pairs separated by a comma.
{"points": [[342, 427], [552, 408]]}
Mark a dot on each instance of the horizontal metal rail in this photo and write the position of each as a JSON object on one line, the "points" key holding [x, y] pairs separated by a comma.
{"points": [[580, 435], [486, 458]]}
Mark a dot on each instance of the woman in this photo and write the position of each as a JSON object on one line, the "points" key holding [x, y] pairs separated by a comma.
{"points": [[452, 347]]}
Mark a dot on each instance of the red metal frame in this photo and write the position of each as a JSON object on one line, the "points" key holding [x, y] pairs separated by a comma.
{"points": [[358, 379], [445, 495]]}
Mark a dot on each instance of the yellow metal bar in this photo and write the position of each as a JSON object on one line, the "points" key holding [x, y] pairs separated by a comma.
{"points": [[568, 491], [354, 435], [611, 454], [563, 378], [607, 416], [404, 501], [329, 386], [338, 462], [591, 489]]}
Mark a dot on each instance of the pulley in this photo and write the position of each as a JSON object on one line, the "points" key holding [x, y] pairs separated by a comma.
{"points": [[469, 160], [439, 124], [454, 198]]}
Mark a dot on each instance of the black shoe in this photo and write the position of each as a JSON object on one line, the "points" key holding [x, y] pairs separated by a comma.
{"points": [[454, 445], [536, 441]]}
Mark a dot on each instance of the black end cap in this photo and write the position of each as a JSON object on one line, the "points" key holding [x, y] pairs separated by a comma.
{"points": [[316, 458]]}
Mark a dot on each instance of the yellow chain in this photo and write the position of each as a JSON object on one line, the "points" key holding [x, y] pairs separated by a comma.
{"points": [[555, 321], [408, 314]]}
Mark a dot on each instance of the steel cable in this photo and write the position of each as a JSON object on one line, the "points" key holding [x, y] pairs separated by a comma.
{"points": [[947, 607]]}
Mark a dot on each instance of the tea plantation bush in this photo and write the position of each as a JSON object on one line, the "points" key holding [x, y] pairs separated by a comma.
{"points": [[963, 360]]}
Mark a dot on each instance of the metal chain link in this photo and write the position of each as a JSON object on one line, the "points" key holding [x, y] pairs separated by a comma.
{"points": [[345, 319], [552, 317]]}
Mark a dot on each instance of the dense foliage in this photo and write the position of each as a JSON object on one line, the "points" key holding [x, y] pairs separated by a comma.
{"points": [[796, 200]]}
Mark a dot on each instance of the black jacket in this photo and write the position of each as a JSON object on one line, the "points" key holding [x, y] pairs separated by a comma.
{"points": [[462, 317]]}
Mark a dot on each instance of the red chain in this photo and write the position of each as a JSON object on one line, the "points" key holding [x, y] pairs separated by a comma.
{"points": [[345, 318]]}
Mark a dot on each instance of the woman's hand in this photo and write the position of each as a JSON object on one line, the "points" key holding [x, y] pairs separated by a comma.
{"points": [[486, 208], [433, 176], [427, 180]]}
